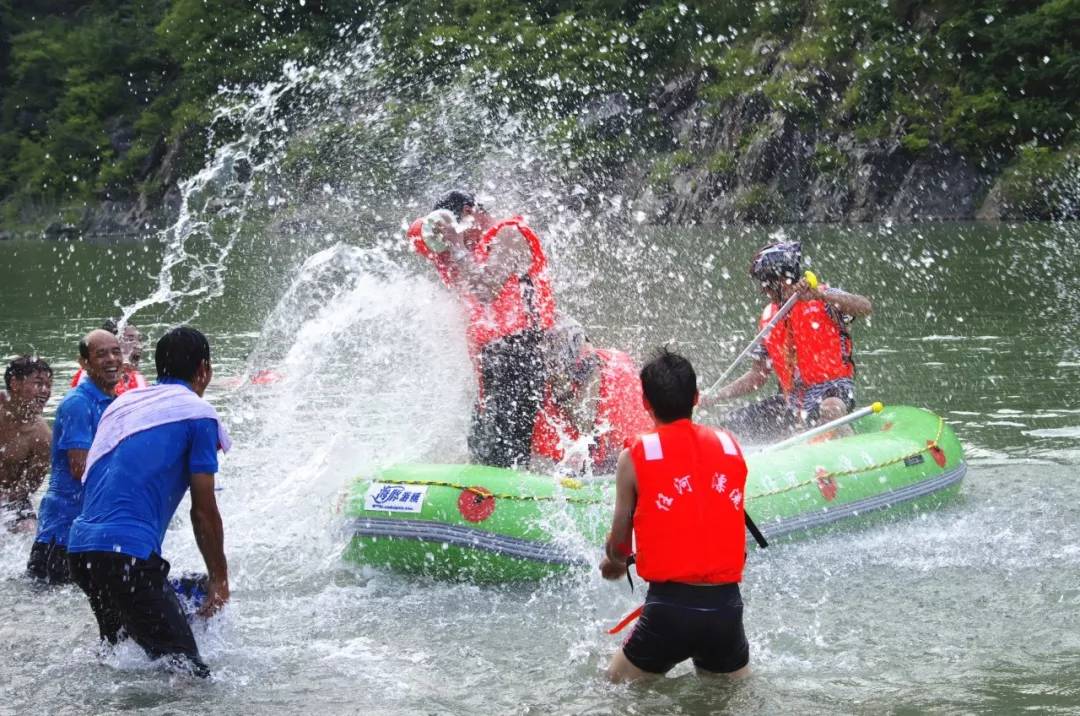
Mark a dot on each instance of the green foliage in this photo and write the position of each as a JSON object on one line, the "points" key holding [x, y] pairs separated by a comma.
{"points": [[91, 98], [759, 204], [1043, 182], [827, 159], [721, 163]]}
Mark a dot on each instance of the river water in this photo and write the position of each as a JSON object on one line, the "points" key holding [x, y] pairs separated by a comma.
{"points": [[970, 609]]}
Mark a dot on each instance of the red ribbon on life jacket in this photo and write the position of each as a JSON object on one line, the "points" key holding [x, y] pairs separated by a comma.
{"points": [[626, 621]]}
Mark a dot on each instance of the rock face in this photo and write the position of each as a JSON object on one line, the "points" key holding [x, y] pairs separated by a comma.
{"points": [[751, 161], [768, 168]]}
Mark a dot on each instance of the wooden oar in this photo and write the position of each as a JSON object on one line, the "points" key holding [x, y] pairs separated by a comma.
{"points": [[812, 281], [832, 424]]}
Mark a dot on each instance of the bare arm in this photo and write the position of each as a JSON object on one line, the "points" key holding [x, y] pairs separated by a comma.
{"points": [[850, 303], [617, 547], [508, 255], [39, 462], [210, 536], [77, 462], [748, 382]]}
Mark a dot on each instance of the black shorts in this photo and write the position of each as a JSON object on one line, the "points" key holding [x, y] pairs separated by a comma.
{"points": [[49, 563], [682, 621], [778, 417], [512, 380], [134, 598]]}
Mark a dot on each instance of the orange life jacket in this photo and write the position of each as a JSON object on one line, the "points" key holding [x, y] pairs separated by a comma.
{"points": [[619, 414], [525, 300], [689, 522], [444, 268], [821, 346]]}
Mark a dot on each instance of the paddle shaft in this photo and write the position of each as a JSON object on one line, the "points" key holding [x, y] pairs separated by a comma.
{"points": [[766, 329], [832, 424]]}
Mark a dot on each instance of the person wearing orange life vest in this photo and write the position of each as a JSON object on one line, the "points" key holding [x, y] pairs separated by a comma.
{"points": [[499, 271], [679, 496], [592, 393], [809, 351]]}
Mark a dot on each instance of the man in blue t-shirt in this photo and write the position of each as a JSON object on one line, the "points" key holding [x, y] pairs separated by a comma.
{"points": [[73, 432], [152, 446]]}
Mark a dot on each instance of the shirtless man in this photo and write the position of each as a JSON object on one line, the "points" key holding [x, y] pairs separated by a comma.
{"points": [[24, 441]]}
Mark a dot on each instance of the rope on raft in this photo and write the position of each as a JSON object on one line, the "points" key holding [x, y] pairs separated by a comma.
{"points": [[573, 484], [485, 493], [931, 445]]}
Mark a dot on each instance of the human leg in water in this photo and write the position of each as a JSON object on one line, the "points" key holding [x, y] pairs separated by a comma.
{"points": [[512, 383]]}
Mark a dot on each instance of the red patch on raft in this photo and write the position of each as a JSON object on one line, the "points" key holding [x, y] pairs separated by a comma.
{"points": [[937, 453], [476, 503], [826, 484]]}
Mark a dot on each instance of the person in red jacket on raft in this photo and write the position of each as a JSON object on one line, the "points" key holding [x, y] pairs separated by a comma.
{"points": [[592, 404], [499, 271], [809, 350], [679, 497]]}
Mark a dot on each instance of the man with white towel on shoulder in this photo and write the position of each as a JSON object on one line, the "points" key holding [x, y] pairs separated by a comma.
{"points": [[153, 444]]}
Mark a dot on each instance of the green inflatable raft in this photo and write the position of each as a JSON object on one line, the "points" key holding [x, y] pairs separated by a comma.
{"points": [[487, 524]]}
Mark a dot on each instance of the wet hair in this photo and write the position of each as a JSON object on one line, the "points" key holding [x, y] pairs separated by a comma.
{"points": [[456, 201], [670, 385], [111, 326], [23, 367], [179, 353]]}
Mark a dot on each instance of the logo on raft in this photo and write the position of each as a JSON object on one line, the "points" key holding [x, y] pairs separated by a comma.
{"points": [[382, 497]]}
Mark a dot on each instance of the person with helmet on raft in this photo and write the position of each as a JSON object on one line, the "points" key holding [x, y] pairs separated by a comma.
{"points": [[679, 497], [809, 350], [499, 271], [591, 392]]}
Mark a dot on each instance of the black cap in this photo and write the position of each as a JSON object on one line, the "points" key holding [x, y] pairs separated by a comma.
{"points": [[456, 201]]}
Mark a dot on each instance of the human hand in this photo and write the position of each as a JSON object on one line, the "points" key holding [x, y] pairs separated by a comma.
{"points": [[709, 400], [217, 593], [612, 569], [808, 291], [434, 227]]}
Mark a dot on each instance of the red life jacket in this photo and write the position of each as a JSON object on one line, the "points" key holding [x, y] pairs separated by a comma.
{"points": [[525, 300], [821, 345], [442, 265], [619, 414], [689, 524]]}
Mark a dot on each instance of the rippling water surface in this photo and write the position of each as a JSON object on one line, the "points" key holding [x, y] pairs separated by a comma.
{"points": [[973, 608]]}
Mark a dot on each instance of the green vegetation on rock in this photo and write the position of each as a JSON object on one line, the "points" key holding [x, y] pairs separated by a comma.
{"points": [[111, 99]]}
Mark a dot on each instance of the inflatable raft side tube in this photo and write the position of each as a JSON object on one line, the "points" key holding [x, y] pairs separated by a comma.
{"points": [[881, 501], [441, 533]]}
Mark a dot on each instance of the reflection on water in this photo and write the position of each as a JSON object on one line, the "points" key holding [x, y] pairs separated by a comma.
{"points": [[970, 608]]}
